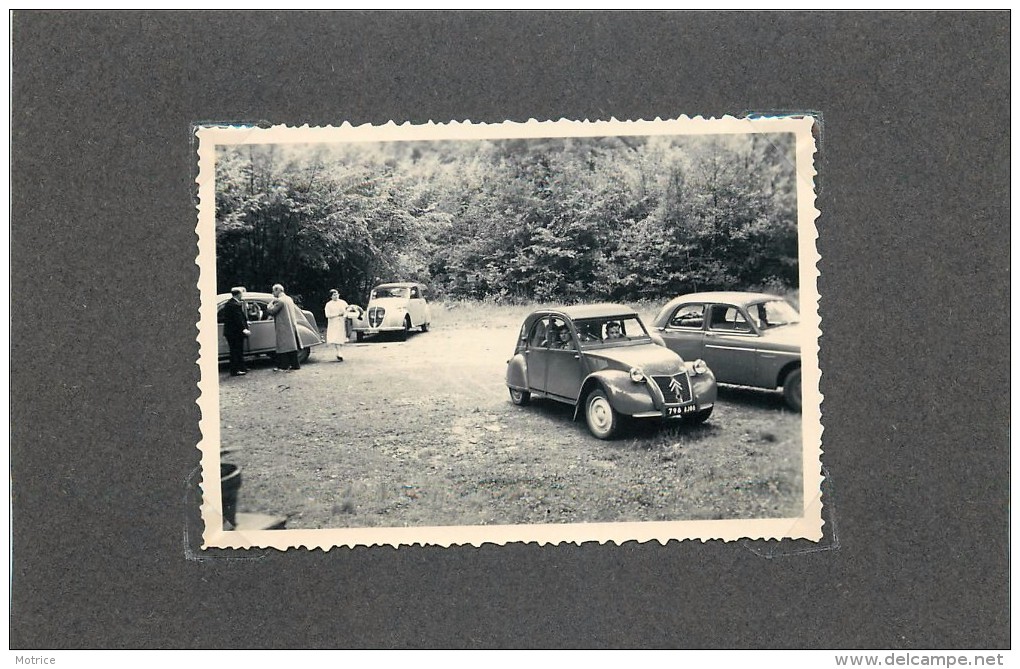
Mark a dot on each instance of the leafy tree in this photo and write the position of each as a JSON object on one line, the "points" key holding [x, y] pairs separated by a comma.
{"points": [[571, 219]]}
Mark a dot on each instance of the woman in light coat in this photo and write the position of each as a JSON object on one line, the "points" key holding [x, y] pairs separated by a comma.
{"points": [[336, 323]]}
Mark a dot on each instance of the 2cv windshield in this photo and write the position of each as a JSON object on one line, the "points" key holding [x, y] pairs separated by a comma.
{"points": [[611, 331]]}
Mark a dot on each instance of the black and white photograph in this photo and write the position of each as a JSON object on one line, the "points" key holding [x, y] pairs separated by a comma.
{"points": [[517, 332], [533, 329]]}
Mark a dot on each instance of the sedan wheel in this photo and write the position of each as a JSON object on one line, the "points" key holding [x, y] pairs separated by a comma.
{"points": [[303, 354], [519, 397], [602, 419], [791, 390], [407, 327]]}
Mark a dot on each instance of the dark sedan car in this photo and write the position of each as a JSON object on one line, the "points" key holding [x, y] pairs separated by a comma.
{"points": [[748, 339], [262, 340]]}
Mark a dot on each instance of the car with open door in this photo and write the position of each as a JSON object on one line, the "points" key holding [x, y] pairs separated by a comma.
{"points": [[262, 340]]}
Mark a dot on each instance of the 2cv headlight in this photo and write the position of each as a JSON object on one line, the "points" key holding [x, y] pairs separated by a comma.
{"points": [[636, 375], [699, 366]]}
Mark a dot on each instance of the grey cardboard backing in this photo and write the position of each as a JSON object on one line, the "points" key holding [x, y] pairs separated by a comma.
{"points": [[914, 239]]}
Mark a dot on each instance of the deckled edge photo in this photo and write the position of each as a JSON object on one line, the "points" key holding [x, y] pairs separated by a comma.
{"points": [[808, 525]]}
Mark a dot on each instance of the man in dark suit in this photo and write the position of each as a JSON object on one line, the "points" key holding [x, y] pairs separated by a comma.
{"points": [[235, 329]]}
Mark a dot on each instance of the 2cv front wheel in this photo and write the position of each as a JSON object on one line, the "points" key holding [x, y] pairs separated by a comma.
{"points": [[602, 419]]}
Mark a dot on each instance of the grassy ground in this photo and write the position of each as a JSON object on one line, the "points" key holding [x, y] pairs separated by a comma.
{"points": [[423, 433]]}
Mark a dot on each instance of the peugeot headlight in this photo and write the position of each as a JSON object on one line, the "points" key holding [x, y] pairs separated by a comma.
{"points": [[636, 375]]}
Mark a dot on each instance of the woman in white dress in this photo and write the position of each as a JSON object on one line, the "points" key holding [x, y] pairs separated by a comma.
{"points": [[336, 326]]}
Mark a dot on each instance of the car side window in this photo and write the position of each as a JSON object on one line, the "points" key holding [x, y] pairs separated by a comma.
{"points": [[689, 316], [538, 332], [254, 311], [729, 319], [551, 328], [564, 339], [414, 294]]}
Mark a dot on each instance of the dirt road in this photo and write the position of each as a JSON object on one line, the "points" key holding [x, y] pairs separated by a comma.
{"points": [[422, 432]]}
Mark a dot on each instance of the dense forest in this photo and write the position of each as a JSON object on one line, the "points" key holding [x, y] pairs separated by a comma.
{"points": [[565, 219]]}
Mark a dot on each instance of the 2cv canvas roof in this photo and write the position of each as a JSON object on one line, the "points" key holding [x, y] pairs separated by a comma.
{"points": [[579, 311]]}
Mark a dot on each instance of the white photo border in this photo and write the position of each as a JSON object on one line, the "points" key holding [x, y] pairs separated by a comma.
{"points": [[808, 525]]}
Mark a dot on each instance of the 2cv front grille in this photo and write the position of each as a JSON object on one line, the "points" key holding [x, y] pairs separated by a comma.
{"points": [[675, 389]]}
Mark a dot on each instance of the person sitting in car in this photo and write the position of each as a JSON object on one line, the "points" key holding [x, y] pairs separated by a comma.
{"points": [[552, 335], [563, 339], [613, 330], [254, 311]]}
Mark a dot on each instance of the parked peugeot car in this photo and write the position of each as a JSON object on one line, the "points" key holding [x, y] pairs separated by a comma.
{"points": [[262, 340], [748, 339], [394, 307], [601, 360]]}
